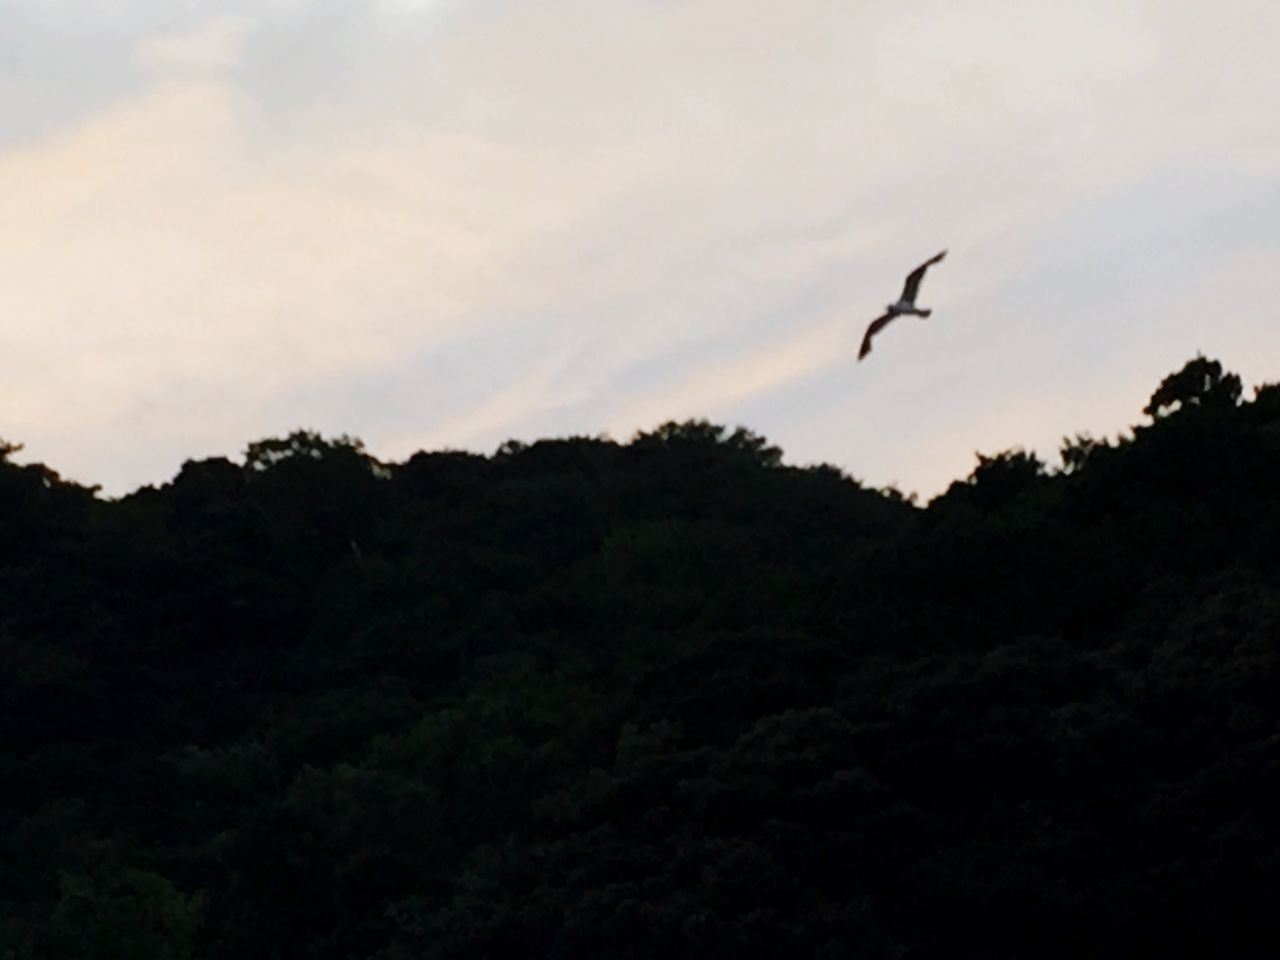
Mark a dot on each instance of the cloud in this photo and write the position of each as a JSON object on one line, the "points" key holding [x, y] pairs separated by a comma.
{"points": [[290, 213], [717, 390], [210, 45], [154, 245]]}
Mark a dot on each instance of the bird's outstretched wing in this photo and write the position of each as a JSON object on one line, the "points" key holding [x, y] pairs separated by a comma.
{"points": [[912, 286], [878, 324]]}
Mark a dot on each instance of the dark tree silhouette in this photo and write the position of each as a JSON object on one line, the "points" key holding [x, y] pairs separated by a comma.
{"points": [[668, 698], [1200, 383]]}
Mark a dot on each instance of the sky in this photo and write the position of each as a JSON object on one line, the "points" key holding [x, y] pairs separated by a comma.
{"points": [[449, 223]]}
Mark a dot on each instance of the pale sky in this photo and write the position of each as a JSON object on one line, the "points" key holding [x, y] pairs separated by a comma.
{"points": [[446, 223]]}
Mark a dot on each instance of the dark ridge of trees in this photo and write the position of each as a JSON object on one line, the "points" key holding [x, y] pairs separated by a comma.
{"points": [[669, 698]]}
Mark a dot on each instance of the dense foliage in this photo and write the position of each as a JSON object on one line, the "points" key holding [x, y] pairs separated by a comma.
{"points": [[670, 698]]}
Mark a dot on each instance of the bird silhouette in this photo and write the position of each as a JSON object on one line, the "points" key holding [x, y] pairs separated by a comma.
{"points": [[906, 304]]}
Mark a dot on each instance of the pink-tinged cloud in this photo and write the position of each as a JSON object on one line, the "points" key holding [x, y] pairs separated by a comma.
{"points": [[233, 219]]}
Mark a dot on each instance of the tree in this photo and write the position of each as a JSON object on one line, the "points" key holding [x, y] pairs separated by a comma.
{"points": [[1200, 383], [1076, 452], [125, 914], [667, 698], [702, 434]]}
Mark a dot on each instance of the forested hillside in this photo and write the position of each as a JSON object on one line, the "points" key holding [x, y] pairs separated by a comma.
{"points": [[660, 699]]}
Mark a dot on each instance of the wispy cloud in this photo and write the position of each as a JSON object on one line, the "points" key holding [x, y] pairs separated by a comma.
{"points": [[210, 45], [228, 219]]}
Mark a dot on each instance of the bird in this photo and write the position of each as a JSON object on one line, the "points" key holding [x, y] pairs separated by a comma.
{"points": [[906, 304]]}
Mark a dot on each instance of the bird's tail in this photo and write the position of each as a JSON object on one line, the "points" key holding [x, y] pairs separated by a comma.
{"points": [[925, 313]]}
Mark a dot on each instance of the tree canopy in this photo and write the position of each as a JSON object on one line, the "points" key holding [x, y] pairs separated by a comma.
{"points": [[663, 698]]}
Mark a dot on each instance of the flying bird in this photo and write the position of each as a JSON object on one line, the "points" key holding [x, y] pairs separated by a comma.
{"points": [[906, 304]]}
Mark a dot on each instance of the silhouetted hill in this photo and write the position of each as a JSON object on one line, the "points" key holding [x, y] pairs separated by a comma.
{"points": [[662, 699]]}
